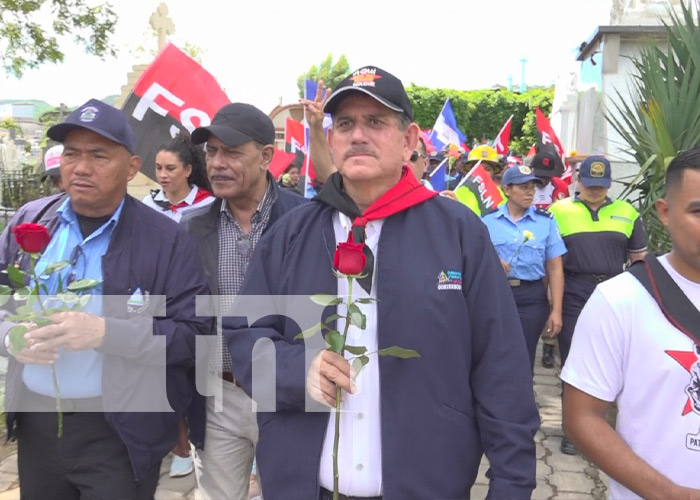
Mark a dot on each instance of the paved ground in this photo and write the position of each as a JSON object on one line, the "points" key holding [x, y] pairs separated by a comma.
{"points": [[559, 476]]}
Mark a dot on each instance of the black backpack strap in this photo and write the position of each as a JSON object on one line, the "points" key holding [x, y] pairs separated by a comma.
{"points": [[674, 304]]}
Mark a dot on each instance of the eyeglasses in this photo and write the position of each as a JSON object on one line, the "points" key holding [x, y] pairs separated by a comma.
{"points": [[415, 155], [74, 256]]}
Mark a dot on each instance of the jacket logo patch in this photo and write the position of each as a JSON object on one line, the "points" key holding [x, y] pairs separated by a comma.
{"points": [[138, 302], [449, 280]]}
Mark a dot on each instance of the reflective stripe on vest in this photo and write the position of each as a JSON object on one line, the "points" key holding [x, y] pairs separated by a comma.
{"points": [[574, 217]]}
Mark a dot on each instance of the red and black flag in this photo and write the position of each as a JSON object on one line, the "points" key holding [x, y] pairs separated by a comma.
{"points": [[174, 94]]}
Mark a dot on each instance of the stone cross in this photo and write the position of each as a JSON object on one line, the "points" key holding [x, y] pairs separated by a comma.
{"points": [[162, 24]]}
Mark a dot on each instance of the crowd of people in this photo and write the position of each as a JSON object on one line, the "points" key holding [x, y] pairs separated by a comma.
{"points": [[471, 292]]}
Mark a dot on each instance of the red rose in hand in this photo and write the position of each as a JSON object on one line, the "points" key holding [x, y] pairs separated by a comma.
{"points": [[31, 238], [349, 258]]}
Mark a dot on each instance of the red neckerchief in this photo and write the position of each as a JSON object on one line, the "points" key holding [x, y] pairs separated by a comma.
{"points": [[201, 195], [403, 195]]}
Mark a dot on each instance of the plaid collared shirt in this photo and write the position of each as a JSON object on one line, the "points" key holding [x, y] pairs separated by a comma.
{"points": [[235, 250]]}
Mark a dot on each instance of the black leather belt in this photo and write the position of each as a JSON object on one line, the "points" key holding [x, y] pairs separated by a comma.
{"points": [[513, 282], [328, 495], [590, 277]]}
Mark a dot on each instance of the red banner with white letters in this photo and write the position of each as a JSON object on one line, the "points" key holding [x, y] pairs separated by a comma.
{"points": [[484, 188], [547, 136], [173, 94], [294, 139], [500, 143]]}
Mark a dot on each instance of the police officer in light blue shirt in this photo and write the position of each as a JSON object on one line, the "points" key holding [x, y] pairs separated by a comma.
{"points": [[530, 247]]}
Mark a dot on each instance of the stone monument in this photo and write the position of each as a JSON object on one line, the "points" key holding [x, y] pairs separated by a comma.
{"points": [[606, 66], [642, 12], [162, 26]]}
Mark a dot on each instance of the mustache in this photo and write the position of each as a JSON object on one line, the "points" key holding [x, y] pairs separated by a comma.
{"points": [[359, 150]]}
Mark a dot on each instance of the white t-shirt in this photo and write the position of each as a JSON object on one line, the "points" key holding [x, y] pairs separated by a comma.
{"points": [[625, 350]]}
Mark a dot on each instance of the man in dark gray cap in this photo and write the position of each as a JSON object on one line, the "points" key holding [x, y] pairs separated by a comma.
{"points": [[239, 148]]}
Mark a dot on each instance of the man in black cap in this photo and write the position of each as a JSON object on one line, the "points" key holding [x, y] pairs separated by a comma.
{"points": [[545, 167], [431, 282], [239, 148], [121, 362]]}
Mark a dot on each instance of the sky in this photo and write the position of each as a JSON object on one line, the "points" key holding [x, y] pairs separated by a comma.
{"points": [[256, 50]]}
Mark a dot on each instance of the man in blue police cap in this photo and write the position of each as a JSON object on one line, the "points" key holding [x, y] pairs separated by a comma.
{"points": [[601, 235], [120, 370]]}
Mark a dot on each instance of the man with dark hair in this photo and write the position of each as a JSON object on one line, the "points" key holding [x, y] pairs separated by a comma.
{"points": [[626, 350], [553, 188], [121, 363], [419, 162], [600, 235], [239, 148], [420, 429]]}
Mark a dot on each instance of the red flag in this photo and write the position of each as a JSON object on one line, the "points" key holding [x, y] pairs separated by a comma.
{"points": [[532, 151], [294, 136], [174, 93], [500, 143], [280, 161], [429, 148], [547, 136], [481, 184]]}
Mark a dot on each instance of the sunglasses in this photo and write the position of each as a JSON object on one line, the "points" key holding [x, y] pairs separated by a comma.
{"points": [[415, 155]]}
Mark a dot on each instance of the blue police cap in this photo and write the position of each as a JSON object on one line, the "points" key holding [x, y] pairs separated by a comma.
{"points": [[595, 171], [100, 118], [519, 174]]}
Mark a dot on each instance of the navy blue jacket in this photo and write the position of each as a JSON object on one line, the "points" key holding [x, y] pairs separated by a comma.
{"points": [[469, 393], [203, 225], [149, 252]]}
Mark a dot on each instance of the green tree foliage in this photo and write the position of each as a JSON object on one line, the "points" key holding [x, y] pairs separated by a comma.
{"points": [[481, 113], [26, 44], [331, 73], [662, 115]]}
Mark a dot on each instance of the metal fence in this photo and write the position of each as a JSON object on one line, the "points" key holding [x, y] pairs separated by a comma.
{"points": [[5, 216], [20, 187]]}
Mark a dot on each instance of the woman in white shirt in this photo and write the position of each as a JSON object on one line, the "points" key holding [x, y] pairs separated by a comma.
{"points": [[182, 175]]}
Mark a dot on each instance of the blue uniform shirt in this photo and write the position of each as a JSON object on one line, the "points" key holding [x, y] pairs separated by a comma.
{"points": [[79, 373], [508, 236]]}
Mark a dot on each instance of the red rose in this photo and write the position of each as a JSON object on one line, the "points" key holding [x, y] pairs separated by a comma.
{"points": [[31, 238], [349, 258]]}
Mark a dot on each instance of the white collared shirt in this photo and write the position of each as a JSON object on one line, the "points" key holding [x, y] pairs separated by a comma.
{"points": [[360, 445], [176, 215]]}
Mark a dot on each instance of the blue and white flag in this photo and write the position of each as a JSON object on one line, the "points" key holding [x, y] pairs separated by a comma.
{"points": [[445, 131], [438, 177]]}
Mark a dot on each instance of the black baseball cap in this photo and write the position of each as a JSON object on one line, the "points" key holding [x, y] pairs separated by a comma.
{"points": [[376, 83], [238, 123], [99, 117], [544, 164]]}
